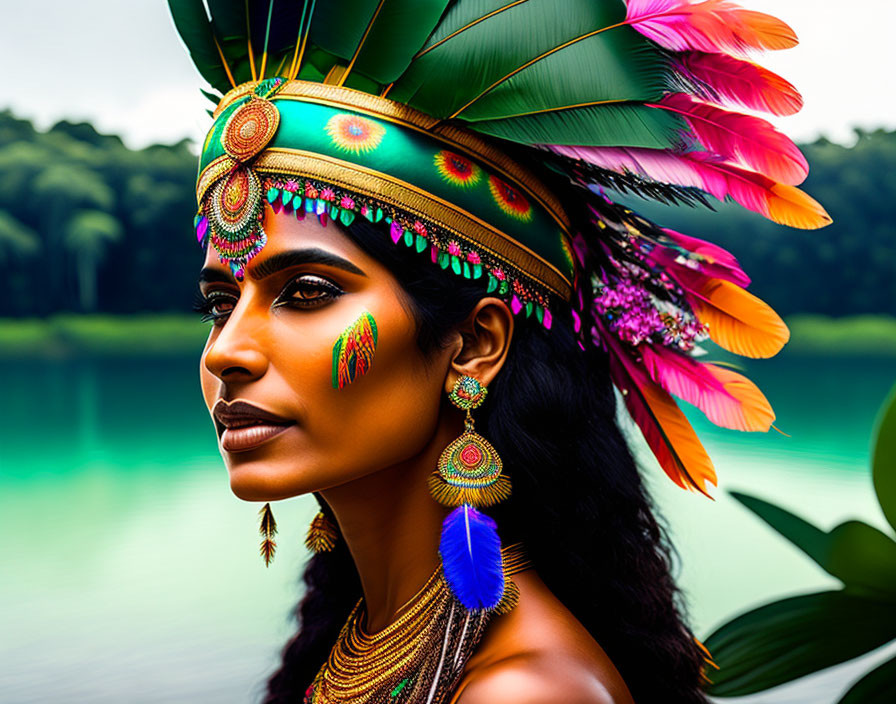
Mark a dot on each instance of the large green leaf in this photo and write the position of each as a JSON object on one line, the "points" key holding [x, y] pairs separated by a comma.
{"points": [[196, 31], [787, 639], [400, 28], [629, 124], [883, 462], [859, 555], [509, 65], [877, 687], [616, 65], [337, 27]]}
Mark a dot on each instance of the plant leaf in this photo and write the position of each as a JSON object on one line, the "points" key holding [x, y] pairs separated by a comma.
{"points": [[855, 553], [883, 462], [876, 687], [787, 639]]}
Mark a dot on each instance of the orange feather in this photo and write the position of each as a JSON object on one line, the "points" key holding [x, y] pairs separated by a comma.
{"points": [[752, 413], [739, 321], [788, 205], [665, 428]]}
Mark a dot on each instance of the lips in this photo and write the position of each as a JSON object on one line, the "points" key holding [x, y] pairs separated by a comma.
{"points": [[243, 426]]}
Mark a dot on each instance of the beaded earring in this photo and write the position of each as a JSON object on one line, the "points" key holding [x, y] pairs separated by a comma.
{"points": [[322, 534], [469, 475]]}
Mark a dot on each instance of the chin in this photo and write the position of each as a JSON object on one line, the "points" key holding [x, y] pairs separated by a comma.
{"points": [[260, 481]]}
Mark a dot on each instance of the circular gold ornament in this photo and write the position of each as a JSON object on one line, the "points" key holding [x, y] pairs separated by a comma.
{"points": [[467, 393], [250, 128]]}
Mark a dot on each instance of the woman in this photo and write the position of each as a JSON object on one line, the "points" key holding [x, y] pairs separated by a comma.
{"points": [[422, 297]]}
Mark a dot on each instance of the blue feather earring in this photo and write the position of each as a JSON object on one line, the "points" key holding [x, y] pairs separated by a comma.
{"points": [[469, 476]]}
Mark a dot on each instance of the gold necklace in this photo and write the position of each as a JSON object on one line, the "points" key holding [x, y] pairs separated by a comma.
{"points": [[418, 657]]}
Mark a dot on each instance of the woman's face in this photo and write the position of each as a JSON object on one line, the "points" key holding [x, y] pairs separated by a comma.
{"points": [[273, 346]]}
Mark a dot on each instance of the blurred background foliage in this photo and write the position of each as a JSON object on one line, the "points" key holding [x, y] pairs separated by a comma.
{"points": [[88, 225]]}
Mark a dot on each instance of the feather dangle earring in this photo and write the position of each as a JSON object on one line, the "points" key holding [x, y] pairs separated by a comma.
{"points": [[268, 529], [322, 534], [469, 475]]}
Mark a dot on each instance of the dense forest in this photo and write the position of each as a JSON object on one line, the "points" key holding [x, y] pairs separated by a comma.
{"points": [[87, 224]]}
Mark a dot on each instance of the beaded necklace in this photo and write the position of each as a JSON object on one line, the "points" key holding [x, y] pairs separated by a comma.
{"points": [[418, 658]]}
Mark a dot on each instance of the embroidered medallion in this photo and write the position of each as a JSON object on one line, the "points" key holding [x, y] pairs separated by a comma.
{"points": [[250, 128], [236, 209], [467, 393]]}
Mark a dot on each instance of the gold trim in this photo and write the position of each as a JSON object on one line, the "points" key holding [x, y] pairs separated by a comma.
{"points": [[392, 111], [403, 196], [212, 173]]}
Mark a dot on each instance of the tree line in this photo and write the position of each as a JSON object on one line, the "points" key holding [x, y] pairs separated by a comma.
{"points": [[89, 225]]}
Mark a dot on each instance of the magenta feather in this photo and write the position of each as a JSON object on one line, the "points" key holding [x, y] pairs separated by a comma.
{"points": [[665, 428], [471, 558], [741, 82], [721, 397], [713, 25], [716, 261], [784, 204], [743, 139]]}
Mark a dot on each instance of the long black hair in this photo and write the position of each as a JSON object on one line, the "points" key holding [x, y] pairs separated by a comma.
{"points": [[578, 501]]}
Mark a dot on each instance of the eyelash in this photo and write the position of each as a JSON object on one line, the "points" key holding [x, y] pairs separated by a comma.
{"points": [[206, 304]]}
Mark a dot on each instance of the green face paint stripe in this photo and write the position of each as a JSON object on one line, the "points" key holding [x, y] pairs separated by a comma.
{"points": [[353, 351], [337, 353]]}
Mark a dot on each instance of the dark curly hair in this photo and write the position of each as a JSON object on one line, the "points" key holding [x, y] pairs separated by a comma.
{"points": [[578, 501]]}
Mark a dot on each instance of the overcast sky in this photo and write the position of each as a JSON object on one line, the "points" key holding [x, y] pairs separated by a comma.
{"points": [[120, 64]]}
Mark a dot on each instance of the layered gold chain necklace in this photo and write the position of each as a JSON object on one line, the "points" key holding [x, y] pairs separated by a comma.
{"points": [[419, 657]]}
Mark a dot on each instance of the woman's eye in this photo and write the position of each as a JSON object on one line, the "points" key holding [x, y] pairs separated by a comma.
{"points": [[309, 290], [214, 307]]}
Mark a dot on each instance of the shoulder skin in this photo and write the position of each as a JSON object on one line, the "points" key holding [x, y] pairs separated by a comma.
{"points": [[539, 653], [535, 679]]}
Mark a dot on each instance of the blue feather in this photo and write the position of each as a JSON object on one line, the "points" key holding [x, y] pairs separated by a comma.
{"points": [[471, 558]]}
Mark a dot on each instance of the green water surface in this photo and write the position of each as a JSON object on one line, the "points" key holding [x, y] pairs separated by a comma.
{"points": [[130, 573]]}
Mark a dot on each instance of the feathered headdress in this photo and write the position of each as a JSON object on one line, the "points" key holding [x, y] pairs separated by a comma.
{"points": [[484, 132]]}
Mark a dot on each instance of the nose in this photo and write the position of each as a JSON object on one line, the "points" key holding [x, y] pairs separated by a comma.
{"points": [[236, 353]]}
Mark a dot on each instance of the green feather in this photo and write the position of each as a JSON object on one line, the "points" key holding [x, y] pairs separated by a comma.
{"points": [[616, 65], [445, 79], [400, 28], [337, 27], [626, 124], [196, 32]]}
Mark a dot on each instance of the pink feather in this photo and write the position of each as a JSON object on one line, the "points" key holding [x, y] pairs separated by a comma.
{"points": [[728, 399], [741, 82], [712, 254], [783, 204], [665, 428], [717, 262], [743, 139], [713, 26]]}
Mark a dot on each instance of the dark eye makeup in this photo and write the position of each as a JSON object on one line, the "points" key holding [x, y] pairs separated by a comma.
{"points": [[303, 291]]}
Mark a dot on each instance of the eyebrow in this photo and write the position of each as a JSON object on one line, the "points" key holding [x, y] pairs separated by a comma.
{"points": [[284, 260]]}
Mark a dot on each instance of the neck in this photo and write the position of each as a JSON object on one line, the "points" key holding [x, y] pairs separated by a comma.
{"points": [[391, 525]]}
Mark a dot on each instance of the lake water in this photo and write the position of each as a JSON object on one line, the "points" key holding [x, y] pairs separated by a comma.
{"points": [[130, 573]]}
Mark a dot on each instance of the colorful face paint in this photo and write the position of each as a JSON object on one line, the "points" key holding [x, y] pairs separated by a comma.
{"points": [[353, 351]]}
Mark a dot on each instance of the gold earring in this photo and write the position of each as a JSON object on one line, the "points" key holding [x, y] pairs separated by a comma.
{"points": [[469, 469], [469, 476], [322, 534]]}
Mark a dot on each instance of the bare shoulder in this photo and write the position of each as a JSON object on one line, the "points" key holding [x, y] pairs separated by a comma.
{"points": [[540, 653], [535, 679]]}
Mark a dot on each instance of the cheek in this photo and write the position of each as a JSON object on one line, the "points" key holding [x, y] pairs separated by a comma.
{"points": [[378, 418]]}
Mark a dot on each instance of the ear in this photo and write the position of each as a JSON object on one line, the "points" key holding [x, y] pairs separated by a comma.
{"points": [[485, 339]]}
